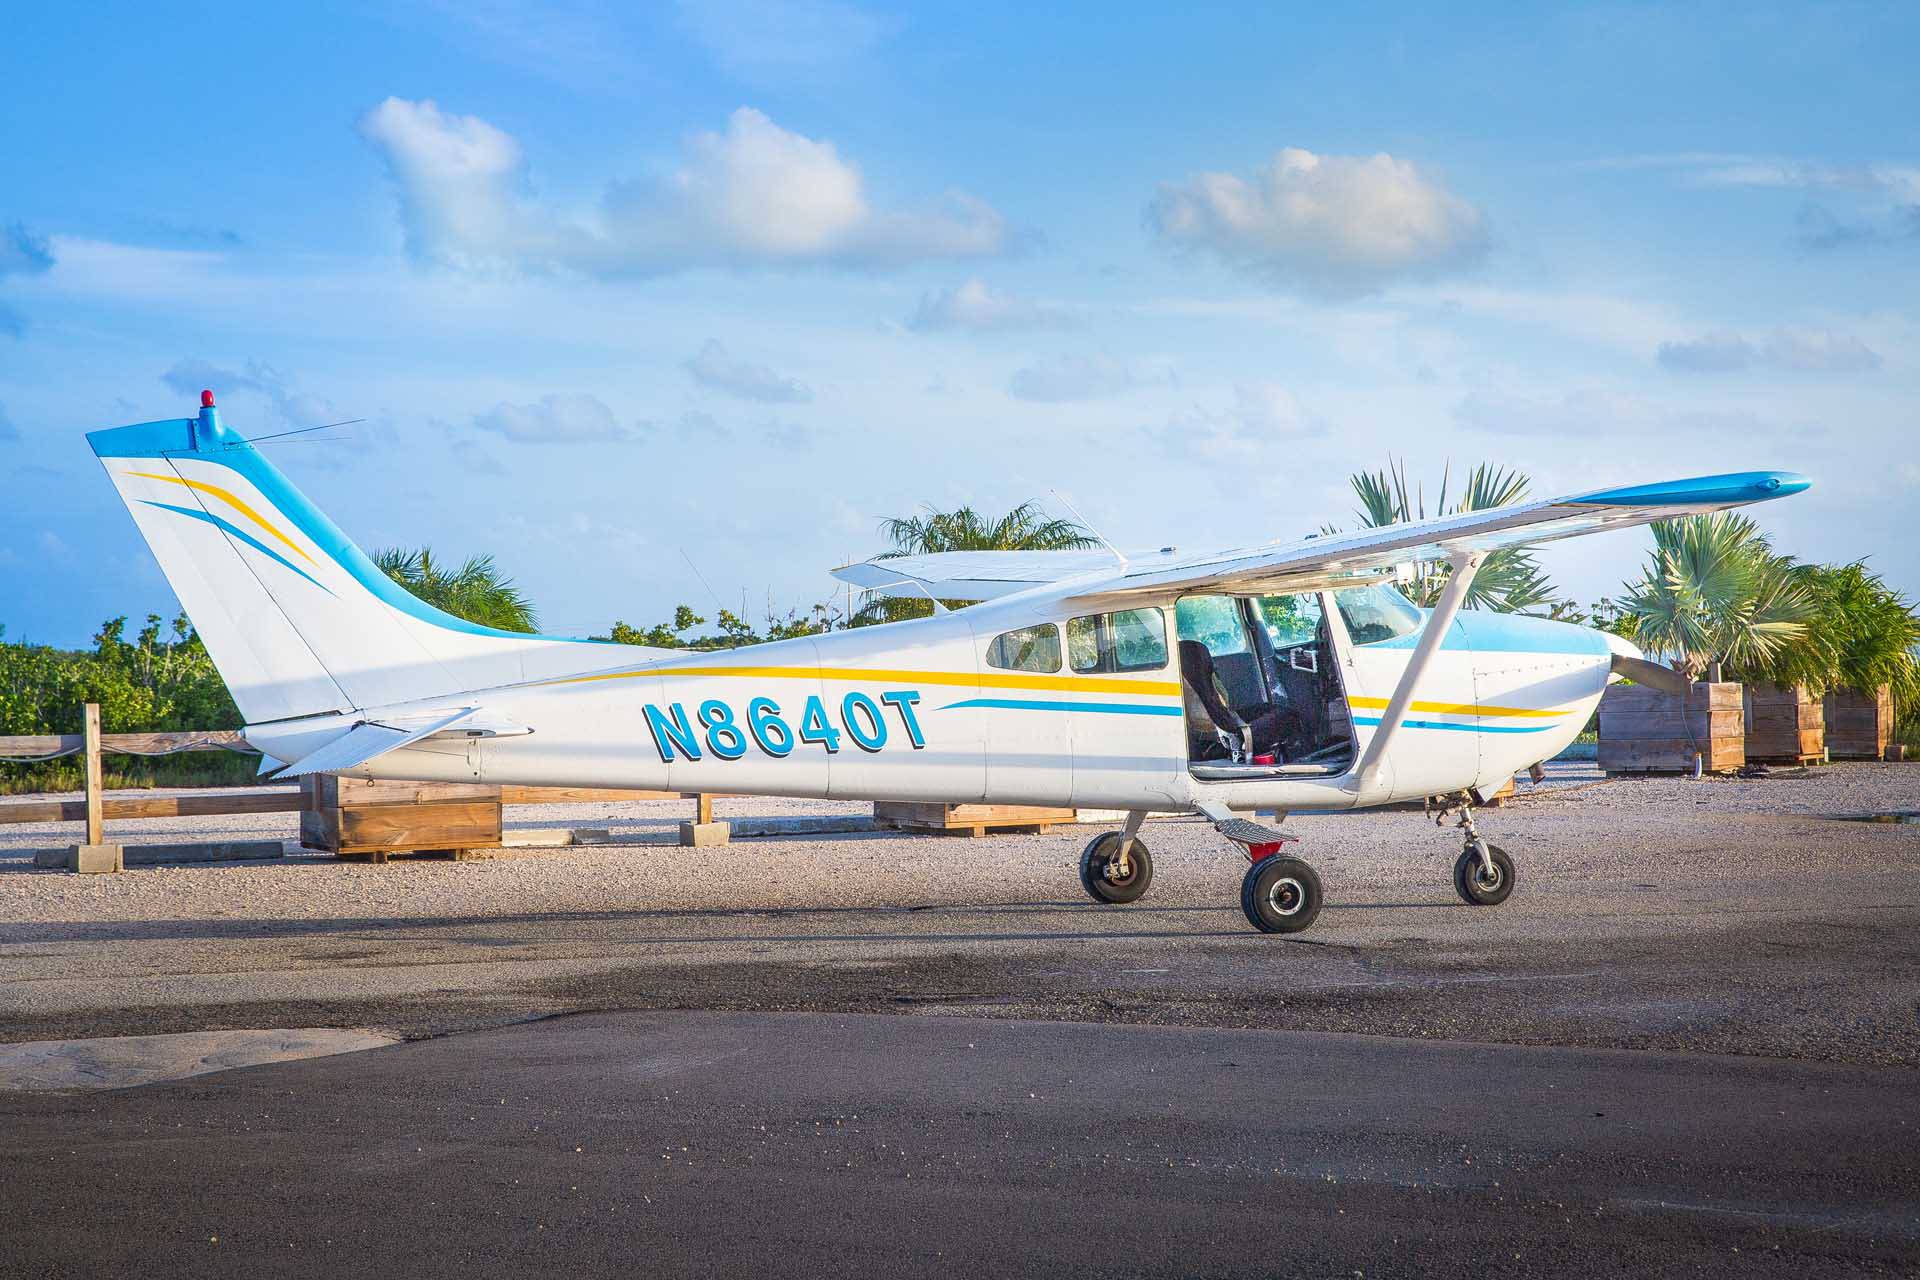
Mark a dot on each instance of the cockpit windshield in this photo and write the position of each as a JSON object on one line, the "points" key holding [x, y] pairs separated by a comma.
{"points": [[1376, 613]]}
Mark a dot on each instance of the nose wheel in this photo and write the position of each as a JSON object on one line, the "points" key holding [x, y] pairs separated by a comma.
{"points": [[1483, 880], [1483, 873]]}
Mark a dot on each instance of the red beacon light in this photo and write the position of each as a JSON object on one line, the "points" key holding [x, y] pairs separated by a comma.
{"points": [[206, 399]]}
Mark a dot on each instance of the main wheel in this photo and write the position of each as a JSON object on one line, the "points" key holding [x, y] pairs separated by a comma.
{"points": [[1475, 884], [1108, 881], [1280, 895]]}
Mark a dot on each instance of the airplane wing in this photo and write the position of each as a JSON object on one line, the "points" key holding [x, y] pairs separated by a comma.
{"points": [[971, 575], [1308, 563]]}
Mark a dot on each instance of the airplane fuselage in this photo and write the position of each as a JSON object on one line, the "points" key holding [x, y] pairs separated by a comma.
{"points": [[916, 711]]}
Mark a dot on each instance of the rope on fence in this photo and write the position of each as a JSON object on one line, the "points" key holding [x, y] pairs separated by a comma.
{"points": [[199, 744]]}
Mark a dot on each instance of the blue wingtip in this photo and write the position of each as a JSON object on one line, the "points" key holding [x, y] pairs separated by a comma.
{"points": [[1741, 486]]}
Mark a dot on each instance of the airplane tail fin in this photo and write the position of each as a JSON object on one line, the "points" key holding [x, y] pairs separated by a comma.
{"points": [[298, 619]]}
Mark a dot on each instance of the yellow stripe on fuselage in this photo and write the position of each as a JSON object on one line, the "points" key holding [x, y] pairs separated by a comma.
{"points": [[964, 679], [1457, 708], [237, 504]]}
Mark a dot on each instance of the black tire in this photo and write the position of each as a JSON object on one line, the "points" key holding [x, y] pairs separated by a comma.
{"points": [[1281, 895], [1099, 856], [1470, 880]]}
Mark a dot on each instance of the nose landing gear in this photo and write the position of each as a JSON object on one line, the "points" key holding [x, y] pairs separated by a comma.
{"points": [[1483, 873]]}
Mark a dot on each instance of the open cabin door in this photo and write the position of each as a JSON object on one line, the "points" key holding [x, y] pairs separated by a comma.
{"points": [[1262, 683]]}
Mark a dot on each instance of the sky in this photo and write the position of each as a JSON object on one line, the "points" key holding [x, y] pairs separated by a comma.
{"points": [[675, 303]]}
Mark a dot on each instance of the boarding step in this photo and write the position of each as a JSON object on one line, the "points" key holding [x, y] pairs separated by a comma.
{"points": [[1250, 833]]}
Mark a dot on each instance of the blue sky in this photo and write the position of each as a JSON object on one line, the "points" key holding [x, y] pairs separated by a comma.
{"points": [[621, 295]]}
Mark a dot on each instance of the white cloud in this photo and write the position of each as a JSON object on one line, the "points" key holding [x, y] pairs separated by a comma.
{"points": [[1599, 413], [1798, 350], [978, 308], [1082, 378], [715, 369], [773, 41], [1262, 414], [556, 419], [1326, 225], [21, 253], [297, 409], [475, 460], [755, 196], [1900, 182]]}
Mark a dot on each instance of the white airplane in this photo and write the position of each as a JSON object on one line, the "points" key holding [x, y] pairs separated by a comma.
{"points": [[1281, 678]]}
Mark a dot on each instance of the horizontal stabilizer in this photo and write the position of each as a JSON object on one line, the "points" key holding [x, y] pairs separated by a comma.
{"points": [[367, 740]]}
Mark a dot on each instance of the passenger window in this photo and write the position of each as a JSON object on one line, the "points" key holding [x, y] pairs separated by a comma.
{"points": [[1029, 649], [1377, 613], [1214, 621], [1133, 640]]}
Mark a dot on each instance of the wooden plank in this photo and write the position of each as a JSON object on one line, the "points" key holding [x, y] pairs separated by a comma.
{"points": [[1670, 723], [119, 808], [349, 792], [96, 820], [444, 824], [42, 744], [576, 795], [975, 819]]}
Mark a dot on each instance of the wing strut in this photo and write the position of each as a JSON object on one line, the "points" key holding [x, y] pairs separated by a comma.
{"points": [[1465, 565]]}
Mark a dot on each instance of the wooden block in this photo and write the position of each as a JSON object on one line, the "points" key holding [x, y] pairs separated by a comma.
{"points": [[444, 824]]}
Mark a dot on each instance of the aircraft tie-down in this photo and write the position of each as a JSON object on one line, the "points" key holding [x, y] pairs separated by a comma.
{"points": [[1279, 678]]}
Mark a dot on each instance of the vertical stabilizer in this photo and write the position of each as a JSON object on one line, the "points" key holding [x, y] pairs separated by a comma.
{"points": [[296, 617]]}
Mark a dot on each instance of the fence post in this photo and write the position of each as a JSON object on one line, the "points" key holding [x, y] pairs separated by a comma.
{"points": [[96, 854], [96, 833]]}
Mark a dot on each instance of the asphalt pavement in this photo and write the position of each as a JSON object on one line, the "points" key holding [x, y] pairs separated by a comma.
{"points": [[697, 1144]]}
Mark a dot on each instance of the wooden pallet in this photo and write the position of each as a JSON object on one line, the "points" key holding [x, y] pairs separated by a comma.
{"points": [[1859, 723], [1786, 724], [351, 817], [969, 819], [1643, 730]]}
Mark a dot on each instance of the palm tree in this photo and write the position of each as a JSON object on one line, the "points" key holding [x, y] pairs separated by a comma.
{"points": [[1510, 580], [1715, 593], [1022, 529], [1025, 528], [1870, 631], [476, 591]]}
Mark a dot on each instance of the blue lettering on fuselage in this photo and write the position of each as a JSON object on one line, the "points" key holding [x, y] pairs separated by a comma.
{"points": [[715, 730]]}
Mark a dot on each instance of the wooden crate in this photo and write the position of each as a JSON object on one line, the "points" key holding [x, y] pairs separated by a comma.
{"points": [[1785, 724], [1859, 724], [1643, 730], [968, 819], [351, 816]]}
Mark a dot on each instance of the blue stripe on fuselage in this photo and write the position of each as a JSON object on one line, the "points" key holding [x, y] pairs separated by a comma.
{"points": [[1096, 708], [1464, 728]]}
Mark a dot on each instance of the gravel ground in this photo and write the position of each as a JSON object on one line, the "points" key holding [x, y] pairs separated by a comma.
{"points": [[1731, 916]]}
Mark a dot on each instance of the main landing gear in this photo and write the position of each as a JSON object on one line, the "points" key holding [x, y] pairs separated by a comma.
{"points": [[1483, 873], [1115, 866]]}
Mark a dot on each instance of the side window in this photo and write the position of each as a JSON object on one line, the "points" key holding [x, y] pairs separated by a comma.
{"points": [[1133, 640], [1291, 620], [1028, 649], [1376, 613], [1214, 621]]}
